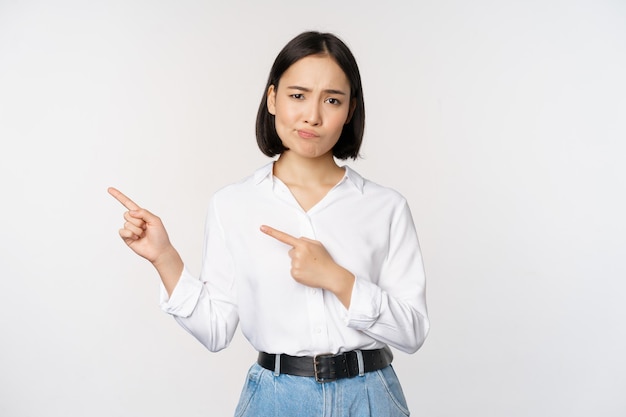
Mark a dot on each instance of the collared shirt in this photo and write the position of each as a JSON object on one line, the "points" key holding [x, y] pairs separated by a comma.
{"points": [[245, 277]]}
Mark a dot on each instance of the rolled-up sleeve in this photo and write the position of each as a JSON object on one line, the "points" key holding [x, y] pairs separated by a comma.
{"points": [[364, 305], [184, 297]]}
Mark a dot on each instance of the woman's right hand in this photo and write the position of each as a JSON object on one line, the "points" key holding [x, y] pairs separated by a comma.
{"points": [[143, 232]]}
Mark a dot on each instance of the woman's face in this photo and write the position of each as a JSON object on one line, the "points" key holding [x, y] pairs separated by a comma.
{"points": [[311, 105]]}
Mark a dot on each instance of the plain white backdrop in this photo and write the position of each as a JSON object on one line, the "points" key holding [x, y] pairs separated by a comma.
{"points": [[503, 123]]}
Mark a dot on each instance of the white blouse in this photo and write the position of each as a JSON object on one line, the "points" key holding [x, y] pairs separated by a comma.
{"points": [[245, 278]]}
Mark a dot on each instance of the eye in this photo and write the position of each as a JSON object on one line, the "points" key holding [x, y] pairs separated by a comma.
{"points": [[297, 96], [332, 100]]}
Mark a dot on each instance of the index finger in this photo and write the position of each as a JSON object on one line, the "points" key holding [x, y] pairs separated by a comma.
{"points": [[126, 202], [280, 236]]}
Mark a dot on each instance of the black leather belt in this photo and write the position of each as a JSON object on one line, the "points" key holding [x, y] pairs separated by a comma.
{"points": [[328, 367]]}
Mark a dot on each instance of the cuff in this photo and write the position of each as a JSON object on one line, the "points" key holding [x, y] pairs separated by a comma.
{"points": [[185, 296], [365, 305]]}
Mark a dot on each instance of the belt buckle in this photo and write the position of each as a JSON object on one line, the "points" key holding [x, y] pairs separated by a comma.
{"points": [[318, 378]]}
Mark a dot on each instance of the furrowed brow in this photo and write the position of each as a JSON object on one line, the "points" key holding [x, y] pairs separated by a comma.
{"points": [[308, 90], [297, 87], [336, 92]]}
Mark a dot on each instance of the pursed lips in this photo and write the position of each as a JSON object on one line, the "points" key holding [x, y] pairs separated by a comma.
{"points": [[307, 134]]}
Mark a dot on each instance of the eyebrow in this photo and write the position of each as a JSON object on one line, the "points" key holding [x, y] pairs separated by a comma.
{"points": [[308, 90]]}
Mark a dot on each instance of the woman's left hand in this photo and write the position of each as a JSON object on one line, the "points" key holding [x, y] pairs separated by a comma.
{"points": [[312, 265]]}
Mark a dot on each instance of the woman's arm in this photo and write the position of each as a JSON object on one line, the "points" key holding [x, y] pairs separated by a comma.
{"points": [[391, 307]]}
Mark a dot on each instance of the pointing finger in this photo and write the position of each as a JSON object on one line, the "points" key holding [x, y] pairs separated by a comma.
{"points": [[126, 202], [280, 236]]}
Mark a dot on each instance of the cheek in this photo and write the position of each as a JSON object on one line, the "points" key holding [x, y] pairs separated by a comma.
{"points": [[339, 118], [287, 115]]}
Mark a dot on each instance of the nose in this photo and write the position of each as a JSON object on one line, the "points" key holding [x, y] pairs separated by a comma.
{"points": [[313, 116]]}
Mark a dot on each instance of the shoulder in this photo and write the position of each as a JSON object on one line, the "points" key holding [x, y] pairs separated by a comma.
{"points": [[374, 190], [243, 189]]}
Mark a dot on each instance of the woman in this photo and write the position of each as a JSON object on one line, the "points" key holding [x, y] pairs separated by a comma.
{"points": [[319, 266]]}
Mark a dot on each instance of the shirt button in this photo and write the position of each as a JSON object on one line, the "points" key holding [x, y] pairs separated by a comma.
{"points": [[318, 330], [313, 291]]}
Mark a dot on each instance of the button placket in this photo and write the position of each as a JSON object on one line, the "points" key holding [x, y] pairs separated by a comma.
{"points": [[314, 296]]}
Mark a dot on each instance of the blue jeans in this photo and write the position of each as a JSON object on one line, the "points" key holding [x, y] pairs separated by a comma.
{"points": [[375, 394]]}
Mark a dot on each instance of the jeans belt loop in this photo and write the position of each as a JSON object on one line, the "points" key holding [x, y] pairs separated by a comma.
{"points": [[277, 365], [359, 358]]}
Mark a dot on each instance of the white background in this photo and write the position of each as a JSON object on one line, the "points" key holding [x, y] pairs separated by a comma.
{"points": [[503, 123]]}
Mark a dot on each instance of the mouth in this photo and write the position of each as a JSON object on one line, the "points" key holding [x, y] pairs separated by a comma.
{"points": [[307, 134]]}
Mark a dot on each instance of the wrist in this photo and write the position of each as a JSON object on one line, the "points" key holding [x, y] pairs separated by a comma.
{"points": [[165, 257], [341, 285], [169, 265]]}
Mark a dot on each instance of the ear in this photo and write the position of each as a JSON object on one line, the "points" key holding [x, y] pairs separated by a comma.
{"points": [[351, 111], [271, 100]]}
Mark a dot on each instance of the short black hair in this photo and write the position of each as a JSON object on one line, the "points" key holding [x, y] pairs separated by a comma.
{"points": [[303, 45]]}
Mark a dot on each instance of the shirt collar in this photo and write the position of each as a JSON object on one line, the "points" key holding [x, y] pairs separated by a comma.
{"points": [[355, 178], [265, 173]]}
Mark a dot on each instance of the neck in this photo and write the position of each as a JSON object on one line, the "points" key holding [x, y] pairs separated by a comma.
{"points": [[292, 169]]}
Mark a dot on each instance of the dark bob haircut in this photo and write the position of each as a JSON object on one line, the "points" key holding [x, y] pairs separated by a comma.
{"points": [[303, 45]]}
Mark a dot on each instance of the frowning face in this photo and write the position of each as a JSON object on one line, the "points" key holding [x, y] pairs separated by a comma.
{"points": [[311, 105]]}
